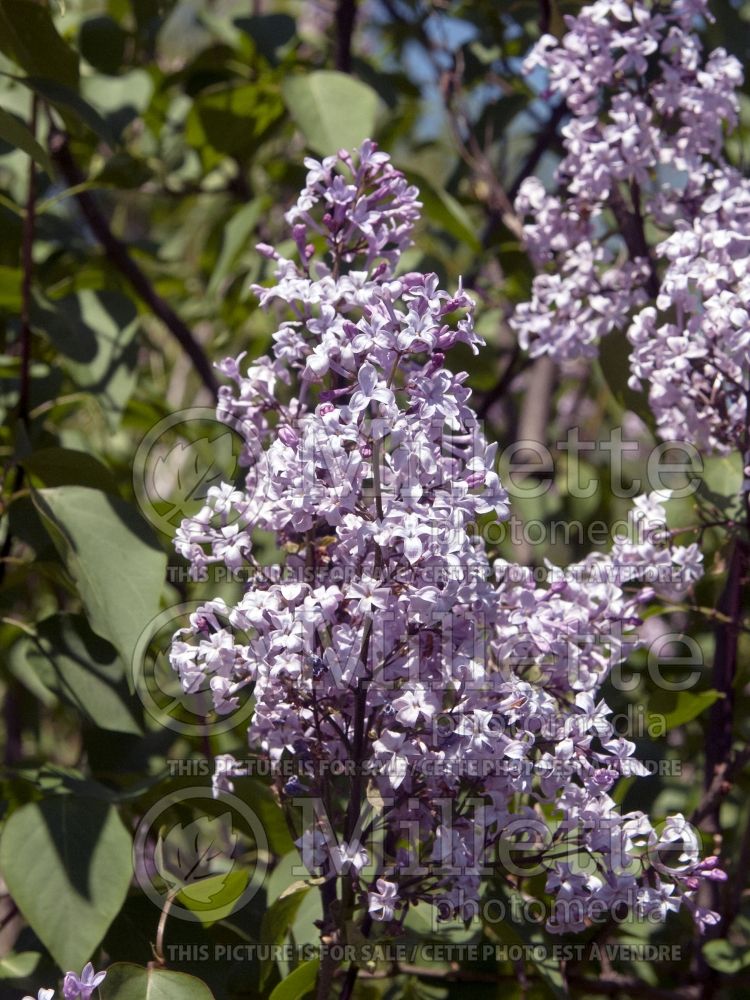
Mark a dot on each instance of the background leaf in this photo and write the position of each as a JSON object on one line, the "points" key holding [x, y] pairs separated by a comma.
{"points": [[67, 863], [95, 331], [111, 554], [277, 921], [132, 982], [332, 110], [83, 670], [28, 35], [16, 133], [299, 983]]}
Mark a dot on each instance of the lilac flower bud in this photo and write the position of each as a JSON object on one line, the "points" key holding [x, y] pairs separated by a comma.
{"points": [[305, 250], [436, 363], [267, 251], [288, 436]]}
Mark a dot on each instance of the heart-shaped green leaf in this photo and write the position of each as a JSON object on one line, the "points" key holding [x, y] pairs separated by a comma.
{"points": [[67, 863], [126, 981]]}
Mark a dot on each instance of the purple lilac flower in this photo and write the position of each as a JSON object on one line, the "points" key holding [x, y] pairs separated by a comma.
{"points": [[475, 680], [82, 986], [382, 903], [649, 110]]}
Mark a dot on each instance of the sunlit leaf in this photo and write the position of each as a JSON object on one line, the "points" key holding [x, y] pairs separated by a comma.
{"points": [[111, 554], [333, 110]]}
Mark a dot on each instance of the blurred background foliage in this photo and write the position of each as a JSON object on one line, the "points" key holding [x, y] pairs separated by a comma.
{"points": [[146, 146]]}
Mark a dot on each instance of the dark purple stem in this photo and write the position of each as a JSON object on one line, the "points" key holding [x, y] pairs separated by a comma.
{"points": [[346, 16]]}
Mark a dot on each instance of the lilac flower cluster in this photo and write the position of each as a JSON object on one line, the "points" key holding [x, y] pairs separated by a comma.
{"points": [[75, 987], [463, 696], [649, 228], [692, 349]]}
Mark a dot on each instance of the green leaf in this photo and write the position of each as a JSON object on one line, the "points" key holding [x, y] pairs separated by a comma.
{"points": [[726, 957], [722, 480], [67, 864], [442, 208], [119, 99], [68, 101], [83, 670], [102, 43], [45, 380], [29, 36], [216, 896], [614, 362], [15, 133], [68, 467], [110, 552], [123, 171], [126, 981], [96, 332], [277, 920], [17, 664], [679, 707], [232, 119], [56, 779], [10, 288], [19, 965], [264, 804], [285, 880], [236, 235], [333, 110], [270, 32], [299, 983]]}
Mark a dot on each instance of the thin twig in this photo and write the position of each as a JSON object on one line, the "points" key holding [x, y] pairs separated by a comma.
{"points": [[720, 785], [346, 16], [719, 743], [545, 137], [159, 944], [630, 223], [513, 368]]}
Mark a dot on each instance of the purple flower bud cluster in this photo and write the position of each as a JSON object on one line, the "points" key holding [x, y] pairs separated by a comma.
{"points": [[458, 698], [363, 211], [648, 232]]}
